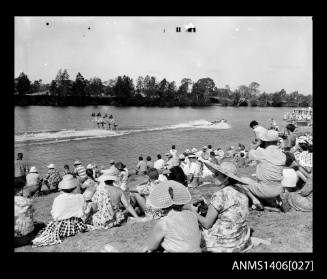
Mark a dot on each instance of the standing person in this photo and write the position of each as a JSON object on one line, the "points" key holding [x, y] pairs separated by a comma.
{"points": [[173, 151], [123, 176], [178, 231], [159, 164], [169, 157], [52, 178], [194, 172], [80, 171], [209, 148], [141, 166], [33, 183], [67, 213], [259, 131], [204, 154], [149, 163], [21, 168], [177, 173]]}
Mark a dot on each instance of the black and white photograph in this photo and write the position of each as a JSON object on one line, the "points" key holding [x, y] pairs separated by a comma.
{"points": [[163, 134]]}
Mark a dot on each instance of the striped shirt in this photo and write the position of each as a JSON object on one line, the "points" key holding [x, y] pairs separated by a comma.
{"points": [[80, 171]]}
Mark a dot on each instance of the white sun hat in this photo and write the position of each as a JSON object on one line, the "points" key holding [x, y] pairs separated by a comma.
{"points": [[51, 166], [33, 169]]}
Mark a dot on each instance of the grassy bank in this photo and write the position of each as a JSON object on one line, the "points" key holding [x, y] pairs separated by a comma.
{"points": [[289, 232]]}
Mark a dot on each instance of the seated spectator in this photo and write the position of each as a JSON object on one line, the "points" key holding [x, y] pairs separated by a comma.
{"points": [[213, 158], [89, 182], [184, 164], [195, 171], [67, 213], [178, 231], [79, 171], [177, 173], [290, 141], [25, 228], [149, 163], [66, 170], [33, 183], [173, 151], [109, 203], [258, 130], [225, 227], [122, 176], [141, 166], [159, 164], [269, 170], [52, 178], [139, 197]]}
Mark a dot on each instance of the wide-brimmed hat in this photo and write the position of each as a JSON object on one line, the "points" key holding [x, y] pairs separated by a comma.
{"points": [[89, 166], [77, 162], [169, 193], [68, 182], [111, 162], [270, 135], [51, 166], [120, 165], [187, 151], [205, 147], [227, 168], [194, 150], [181, 157], [33, 169]]}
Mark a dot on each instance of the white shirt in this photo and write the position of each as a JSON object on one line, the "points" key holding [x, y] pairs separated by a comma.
{"points": [[259, 131], [159, 164], [185, 167], [173, 152], [67, 205], [162, 178], [195, 169]]}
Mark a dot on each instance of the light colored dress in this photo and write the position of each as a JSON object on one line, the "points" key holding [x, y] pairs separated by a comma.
{"points": [[230, 232], [182, 233], [23, 216]]}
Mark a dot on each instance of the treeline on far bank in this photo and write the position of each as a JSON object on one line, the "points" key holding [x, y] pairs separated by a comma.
{"points": [[146, 92]]}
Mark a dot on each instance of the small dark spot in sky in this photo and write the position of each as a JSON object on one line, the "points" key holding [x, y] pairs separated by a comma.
{"points": [[89, 28], [47, 23]]}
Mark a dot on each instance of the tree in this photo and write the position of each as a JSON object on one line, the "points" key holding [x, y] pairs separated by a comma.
{"points": [[79, 85], [253, 87], [95, 87], [204, 86], [139, 85], [277, 100], [124, 89], [23, 84], [64, 85], [36, 86], [245, 92], [186, 84]]}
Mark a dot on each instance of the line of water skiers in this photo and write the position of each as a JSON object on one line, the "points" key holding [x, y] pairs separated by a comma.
{"points": [[102, 121]]}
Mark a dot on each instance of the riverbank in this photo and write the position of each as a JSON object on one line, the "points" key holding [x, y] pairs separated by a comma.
{"points": [[288, 232], [136, 100]]}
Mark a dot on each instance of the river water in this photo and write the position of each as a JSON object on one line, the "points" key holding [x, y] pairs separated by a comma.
{"points": [[61, 135]]}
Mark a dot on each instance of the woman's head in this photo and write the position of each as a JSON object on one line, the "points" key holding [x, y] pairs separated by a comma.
{"points": [[66, 167], [290, 127], [140, 158], [153, 174], [148, 158]]}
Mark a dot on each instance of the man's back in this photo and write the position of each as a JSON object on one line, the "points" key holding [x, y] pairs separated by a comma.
{"points": [[21, 168]]}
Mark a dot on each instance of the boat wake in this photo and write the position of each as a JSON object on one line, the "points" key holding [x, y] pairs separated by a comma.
{"points": [[57, 136]]}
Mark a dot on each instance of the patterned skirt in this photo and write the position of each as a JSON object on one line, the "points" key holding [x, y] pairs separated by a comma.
{"points": [[56, 231]]}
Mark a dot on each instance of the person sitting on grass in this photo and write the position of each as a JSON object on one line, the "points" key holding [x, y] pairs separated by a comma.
{"points": [[173, 151], [79, 171], [122, 176], [139, 197], [33, 183], [225, 226], [259, 131], [67, 213], [109, 204], [290, 141], [52, 178], [66, 170], [195, 171], [141, 166], [269, 170], [149, 163], [178, 231], [25, 228], [89, 182], [177, 173]]}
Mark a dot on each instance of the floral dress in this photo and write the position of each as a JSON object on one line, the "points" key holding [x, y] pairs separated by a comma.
{"points": [[107, 216], [23, 216], [230, 232]]}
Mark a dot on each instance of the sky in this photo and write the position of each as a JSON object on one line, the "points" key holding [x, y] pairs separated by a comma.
{"points": [[275, 52]]}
